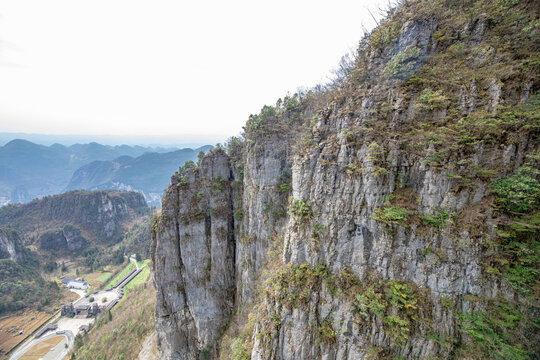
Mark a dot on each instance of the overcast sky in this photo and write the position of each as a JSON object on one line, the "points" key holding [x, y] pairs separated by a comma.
{"points": [[192, 69]]}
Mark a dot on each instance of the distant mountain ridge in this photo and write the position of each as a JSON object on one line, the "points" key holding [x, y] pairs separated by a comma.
{"points": [[156, 142], [146, 174], [29, 171]]}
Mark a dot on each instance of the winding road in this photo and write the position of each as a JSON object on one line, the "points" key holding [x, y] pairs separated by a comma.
{"points": [[68, 334], [68, 326]]}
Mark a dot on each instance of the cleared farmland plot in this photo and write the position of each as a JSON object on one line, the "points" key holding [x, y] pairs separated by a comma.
{"points": [[10, 327]]}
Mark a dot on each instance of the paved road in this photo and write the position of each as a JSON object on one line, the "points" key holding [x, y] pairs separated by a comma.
{"points": [[81, 294], [135, 261], [69, 333], [109, 297], [69, 325], [59, 356]]}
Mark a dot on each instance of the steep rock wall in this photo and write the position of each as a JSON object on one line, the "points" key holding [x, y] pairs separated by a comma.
{"points": [[266, 184], [10, 245], [67, 239], [194, 258], [368, 225]]}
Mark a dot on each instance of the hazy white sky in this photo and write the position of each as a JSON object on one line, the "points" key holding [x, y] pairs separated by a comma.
{"points": [[164, 68]]}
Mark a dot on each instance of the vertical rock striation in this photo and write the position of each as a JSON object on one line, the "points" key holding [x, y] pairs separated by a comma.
{"points": [[194, 259], [370, 219]]}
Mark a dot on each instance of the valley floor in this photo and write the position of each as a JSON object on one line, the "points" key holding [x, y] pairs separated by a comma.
{"points": [[70, 327]]}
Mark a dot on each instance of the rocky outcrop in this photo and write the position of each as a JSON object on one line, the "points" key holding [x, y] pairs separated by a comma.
{"points": [[10, 245], [367, 220], [99, 214], [266, 186], [194, 258], [68, 239]]}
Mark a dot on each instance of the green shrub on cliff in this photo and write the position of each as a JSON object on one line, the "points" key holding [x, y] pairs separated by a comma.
{"points": [[402, 65], [391, 215], [301, 210], [518, 193]]}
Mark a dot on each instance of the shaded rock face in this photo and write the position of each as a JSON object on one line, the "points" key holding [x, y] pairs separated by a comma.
{"points": [[194, 258], [67, 239]]}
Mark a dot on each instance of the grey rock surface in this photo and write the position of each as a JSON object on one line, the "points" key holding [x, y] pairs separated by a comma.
{"points": [[341, 169], [10, 245], [194, 257]]}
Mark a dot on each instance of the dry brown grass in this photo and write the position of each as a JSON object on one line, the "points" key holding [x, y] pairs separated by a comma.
{"points": [[39, 350], [27, 321], [121, 337]]}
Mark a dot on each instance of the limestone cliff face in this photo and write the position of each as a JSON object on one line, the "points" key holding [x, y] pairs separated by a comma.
{"points": [[99, 214], [68, 239], [367, 220], [10, 245], [194, 259], [264, 205]]}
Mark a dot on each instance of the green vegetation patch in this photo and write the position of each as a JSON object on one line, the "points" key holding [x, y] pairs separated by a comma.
{"points": [[23, 287], [399, 305], [516, 250], [402, 65], [103, 277], [121, 274], [392, 215], [139, 279], [234, 349], [498, 331], [439, 218], [518, 193], [182, 172], [143, 262], [301, 210], [284, 183], [431, 100], [325, 332]]}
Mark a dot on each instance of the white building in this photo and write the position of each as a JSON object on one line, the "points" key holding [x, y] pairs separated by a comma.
{"points": [[77, 284]]}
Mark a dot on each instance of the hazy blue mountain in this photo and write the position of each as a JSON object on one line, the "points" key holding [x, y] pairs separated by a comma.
{"points": [[148, 174], [29, 170], [158, 143]]}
